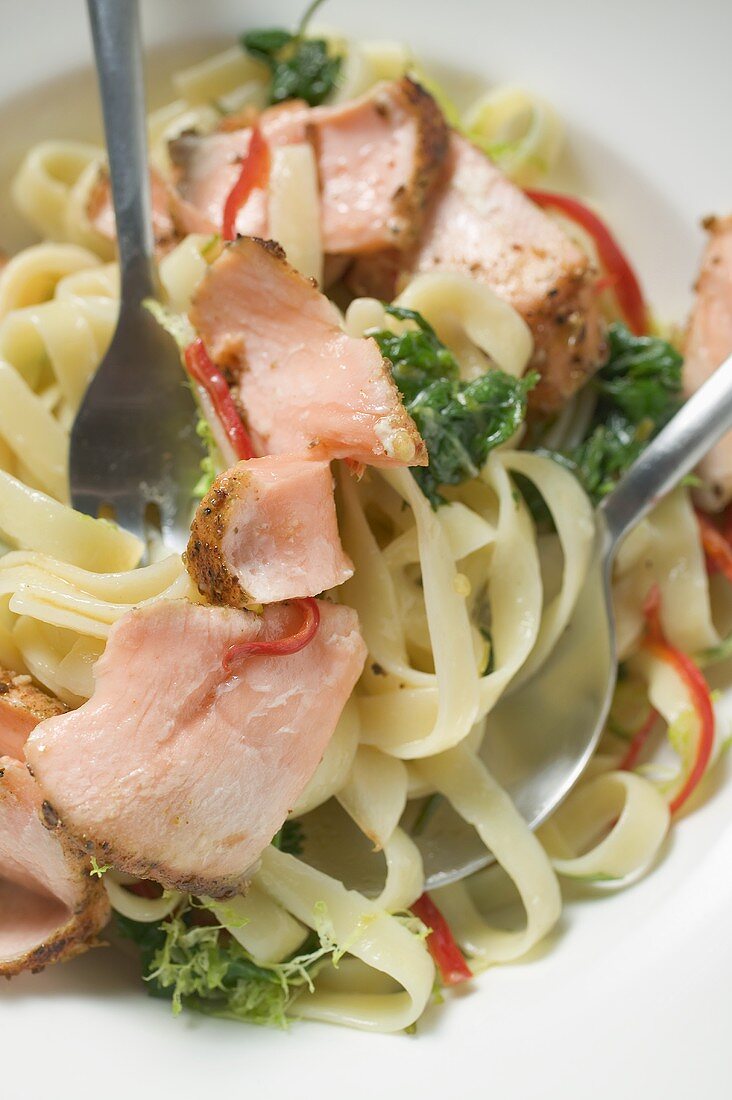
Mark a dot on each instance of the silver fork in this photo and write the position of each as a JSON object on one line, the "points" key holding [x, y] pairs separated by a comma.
{"points": [[133, 444]]}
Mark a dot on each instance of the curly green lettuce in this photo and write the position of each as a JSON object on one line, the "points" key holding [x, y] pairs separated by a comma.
{"points": [[202, 967]]}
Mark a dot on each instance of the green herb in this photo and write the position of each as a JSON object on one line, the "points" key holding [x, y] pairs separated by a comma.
{"points": [[639, 390], [418, 357], [98, 869], [209, 462], [290, 838], [301, 68], [461, 422], [202, 967], [716, 653], [642, 377]]}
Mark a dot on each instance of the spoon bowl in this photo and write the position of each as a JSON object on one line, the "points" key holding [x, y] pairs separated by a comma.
{"points": [[540, 738]]}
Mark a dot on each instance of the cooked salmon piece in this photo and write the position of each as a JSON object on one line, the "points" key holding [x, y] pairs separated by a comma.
{"points": [[267, 531], [100, 210], [180, 771], [50, 907], [708, 343], [483, 225], [378, 158], [172, 216], [22, 706], [303, 384], [206, 167]]}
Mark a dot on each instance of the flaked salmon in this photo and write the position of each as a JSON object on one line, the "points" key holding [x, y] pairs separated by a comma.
{"points": [[180, 771], [267, 531], [22, 706], [50, 907], [303, 384], [708, 343]]}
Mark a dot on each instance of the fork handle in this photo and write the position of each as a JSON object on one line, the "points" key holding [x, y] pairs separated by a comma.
{"points": [[115, 27]]}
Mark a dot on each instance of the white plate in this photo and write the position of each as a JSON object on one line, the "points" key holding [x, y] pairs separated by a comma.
{"points": [[632, 996]]}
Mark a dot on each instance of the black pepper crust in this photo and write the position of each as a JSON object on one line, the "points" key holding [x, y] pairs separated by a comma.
{"points": [[90, 913], [204, 558], [409, 201], [432, 146], [222, 886], [19, 692]]}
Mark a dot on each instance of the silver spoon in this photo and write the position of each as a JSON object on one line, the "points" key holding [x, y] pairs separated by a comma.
{"points": [[133, 445], [540, 739]]}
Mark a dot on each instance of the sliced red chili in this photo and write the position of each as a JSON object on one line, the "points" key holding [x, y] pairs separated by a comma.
{"points": [[617, 266], [441, 944], [655, 642], [254, 173], [279, 647], [207, 374]]}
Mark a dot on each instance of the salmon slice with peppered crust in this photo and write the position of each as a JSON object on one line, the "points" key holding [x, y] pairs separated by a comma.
{"points": [[22, 706], [378, 159], [180, 771], [708, 343], [50, 907], [304, 385], [481, 224], [267, 531]]}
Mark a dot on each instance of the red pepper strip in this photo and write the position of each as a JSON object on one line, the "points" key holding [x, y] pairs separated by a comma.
{"points": [[441, 944], [655, 643], [280, 647], [716, 546], [254, 173], [638, 741], [625, 282], [203, 371]]}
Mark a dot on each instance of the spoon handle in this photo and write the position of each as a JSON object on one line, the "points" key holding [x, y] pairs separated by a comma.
{"points": [[115, 27], [675, 451]]}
